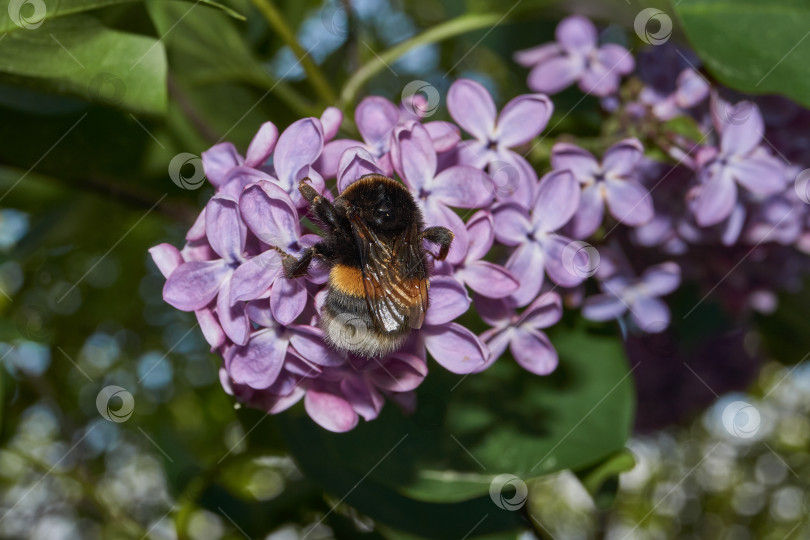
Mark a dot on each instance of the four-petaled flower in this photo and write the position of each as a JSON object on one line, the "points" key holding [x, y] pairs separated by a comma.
{"points": [[575, 57], [739, 160], [612, 181], [639, 296]]}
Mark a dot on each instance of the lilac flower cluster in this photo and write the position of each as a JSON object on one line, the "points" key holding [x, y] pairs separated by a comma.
{"points": [[522, 243], [265, 326], [729, 206]]}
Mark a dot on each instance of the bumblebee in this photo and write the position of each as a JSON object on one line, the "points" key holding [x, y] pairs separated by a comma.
{"points": [[378, 278]]}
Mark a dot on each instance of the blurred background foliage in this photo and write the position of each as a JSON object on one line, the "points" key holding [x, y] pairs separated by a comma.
{"points": [[98, 96]]}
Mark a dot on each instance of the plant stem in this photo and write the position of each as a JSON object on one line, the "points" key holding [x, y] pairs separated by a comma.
{"points": [[453, 27], [314, 74]]}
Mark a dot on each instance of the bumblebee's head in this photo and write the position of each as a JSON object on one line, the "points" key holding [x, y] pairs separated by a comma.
{"points": [[383, 204]]}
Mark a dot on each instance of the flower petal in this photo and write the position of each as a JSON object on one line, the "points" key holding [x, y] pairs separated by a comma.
{"points": [[218, 160], [661, 279], [309, 344], [522, 119], [650, 314], [512, 224], [262, 145], [271, 215], [760, 175], [438, 214], [579, 161], [513, 178], [555, 74], [543, 312], [497, 340], [559, 262], [622, 158], [226, 231], [167, 258], [415, 157], [534, 352], [448, 300], [576, 34], [603, 307], [355, 163], [489, 279], [232, 316], [590, 213], [327, 163], [299, 146], [536, 55], [471, 106], [194, 284], [287, 300], [599, 80], [210, 327], [616, 58], [455, 348], [331, 118], [742, 127], [556, 201], [365, 400], [376, 118], [527, 264], [715, 200], [330, 411], [629, 202], [463, 187], [255, 276], [259, 362], [481, 234], [401, 372], [445, 135]]}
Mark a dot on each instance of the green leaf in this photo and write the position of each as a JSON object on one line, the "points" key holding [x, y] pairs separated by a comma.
{"points": [[80, 56], [22, 15], [602, 480], [504, 421], [750, 45]]}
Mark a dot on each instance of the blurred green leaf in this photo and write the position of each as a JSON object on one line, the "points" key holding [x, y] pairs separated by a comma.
{"points": [[80, 56], [602, 480], [466, 432], [27, 16], [772, 60]]}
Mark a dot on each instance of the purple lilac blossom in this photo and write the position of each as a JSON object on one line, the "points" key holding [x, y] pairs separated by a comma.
{"points": [[613, 181], [575, 57], [520, 120], [739, 159]]}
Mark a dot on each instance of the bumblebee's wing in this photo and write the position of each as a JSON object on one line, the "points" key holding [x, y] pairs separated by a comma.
{"points": [[393, 299]]}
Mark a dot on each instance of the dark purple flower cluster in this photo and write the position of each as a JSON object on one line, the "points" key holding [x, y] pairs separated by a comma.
{"points": [[512, 230], [729, 206]]}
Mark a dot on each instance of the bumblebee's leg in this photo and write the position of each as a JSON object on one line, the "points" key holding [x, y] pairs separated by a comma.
{"points": [[442, 237], [319, 204], [297, 266]]}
